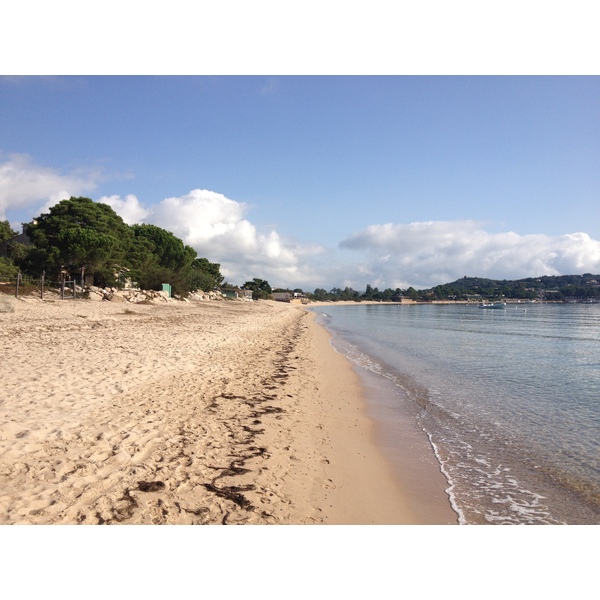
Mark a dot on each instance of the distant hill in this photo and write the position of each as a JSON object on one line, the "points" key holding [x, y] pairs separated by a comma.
{"points": [[568, 288], [549, 287]]}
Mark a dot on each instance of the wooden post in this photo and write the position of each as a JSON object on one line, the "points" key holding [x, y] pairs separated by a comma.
{"points": [[18, 281], [62, 285], [42, 285], [74, 291]]}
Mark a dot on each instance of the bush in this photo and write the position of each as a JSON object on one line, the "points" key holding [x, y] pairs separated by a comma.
{"points": [[8, 270]]}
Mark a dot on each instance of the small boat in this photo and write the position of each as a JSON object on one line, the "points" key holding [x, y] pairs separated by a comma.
{"points": [[492, 305]]}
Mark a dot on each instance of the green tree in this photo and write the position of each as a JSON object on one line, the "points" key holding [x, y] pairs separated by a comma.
{"points": [[143, 264], [397, 295], [200, 280], [350, 294], [170, 251], [6, 231], [320, 295], [15, 252], [205, 275], [87, 247], [8, 270], [79, 232], [260, 288], [387, 295], [164, 258]]}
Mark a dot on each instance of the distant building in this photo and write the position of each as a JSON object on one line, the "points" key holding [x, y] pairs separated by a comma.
{"points": [[294, 298], [282, 296], [237, 294]]}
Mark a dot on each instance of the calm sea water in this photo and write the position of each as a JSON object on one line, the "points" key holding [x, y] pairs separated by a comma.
{"points": [[510, 399]]}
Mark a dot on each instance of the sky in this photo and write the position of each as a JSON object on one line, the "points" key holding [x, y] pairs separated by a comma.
{"points": [[401, 146], [323, 181]]}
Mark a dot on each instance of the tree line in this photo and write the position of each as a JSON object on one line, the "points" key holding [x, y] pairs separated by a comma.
{"points": [[370, 293], [82, 237], [547, 287]]}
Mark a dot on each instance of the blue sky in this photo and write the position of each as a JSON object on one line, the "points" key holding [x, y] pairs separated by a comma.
{"points": [[404, 145], [323, 181]]}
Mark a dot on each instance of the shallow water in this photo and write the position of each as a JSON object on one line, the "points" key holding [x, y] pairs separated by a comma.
{"points": [[510, 399]]}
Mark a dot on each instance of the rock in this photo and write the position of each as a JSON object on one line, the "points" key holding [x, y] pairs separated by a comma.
{"points": [[95, 296]]}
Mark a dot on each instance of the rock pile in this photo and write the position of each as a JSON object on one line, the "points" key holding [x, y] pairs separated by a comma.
{"points": [[136, 296], [214, 295], [132, 295]]}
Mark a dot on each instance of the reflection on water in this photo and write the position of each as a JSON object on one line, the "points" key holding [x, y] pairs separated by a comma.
{"points": [[510, 399]]}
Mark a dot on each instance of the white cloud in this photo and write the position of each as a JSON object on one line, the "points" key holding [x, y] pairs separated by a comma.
{"points": [[421, 254], [130, 209], [202, 217], [426, 254], [215, 226], [217, 229], [27, 185]]}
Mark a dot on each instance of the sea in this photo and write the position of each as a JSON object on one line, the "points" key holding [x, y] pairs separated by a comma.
{"points": [[508, 399]]}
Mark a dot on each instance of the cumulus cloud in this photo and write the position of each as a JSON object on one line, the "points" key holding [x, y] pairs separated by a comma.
{"points": [[217, 228], [130, 209], [202, 217], [27, 185], [425, 254], [421, 254]]}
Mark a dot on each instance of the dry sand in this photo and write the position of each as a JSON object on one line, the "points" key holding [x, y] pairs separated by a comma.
{"points": [[189, 413]]}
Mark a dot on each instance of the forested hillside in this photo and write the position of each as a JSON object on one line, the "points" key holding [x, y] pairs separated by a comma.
{"points": [[548, 287], [555, 287]]}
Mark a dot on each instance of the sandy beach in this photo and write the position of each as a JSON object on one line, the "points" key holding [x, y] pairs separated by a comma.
{"points": [[193, 413]]}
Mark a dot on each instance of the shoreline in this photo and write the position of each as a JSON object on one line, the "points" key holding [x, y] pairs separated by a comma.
{"points": [[402, 482], [186, 413]]}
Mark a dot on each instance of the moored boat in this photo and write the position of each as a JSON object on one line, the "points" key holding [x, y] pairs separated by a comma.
{"points": [[492, 305]]}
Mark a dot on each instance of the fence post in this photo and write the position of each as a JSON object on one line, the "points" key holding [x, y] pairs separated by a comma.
{"points": [[42, 285], [18, 281], [62, 285], [74, 291]]}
